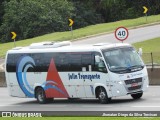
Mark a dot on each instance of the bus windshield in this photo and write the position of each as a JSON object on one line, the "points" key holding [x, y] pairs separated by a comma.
{"points": [[123, 60]]}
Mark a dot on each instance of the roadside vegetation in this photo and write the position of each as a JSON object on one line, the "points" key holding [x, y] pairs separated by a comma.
{"points": [[82, 32], [149, 46], [32, 18], [151, 51]]}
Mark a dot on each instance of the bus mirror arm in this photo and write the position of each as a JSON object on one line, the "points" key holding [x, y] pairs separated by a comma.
{"points": [[140, 51]]}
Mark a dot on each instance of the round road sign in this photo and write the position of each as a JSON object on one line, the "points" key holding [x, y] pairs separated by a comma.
{"points": [[121, 33]]}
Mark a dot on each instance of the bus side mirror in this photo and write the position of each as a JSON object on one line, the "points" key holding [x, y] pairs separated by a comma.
{"points": [[140, 51], [97, 59]]}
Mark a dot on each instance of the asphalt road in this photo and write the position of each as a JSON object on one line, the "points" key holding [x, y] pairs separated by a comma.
{"points": [[135, 35], [149, 102]]}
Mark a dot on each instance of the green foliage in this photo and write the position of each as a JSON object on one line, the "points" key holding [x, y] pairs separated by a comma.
{"points": [[150, 46], [1, 11], [82, 32], [29, 18], [85, 14]]}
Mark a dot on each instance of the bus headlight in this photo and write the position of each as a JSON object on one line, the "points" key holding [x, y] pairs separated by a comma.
{"points": [[118, 91], [119, 82]]}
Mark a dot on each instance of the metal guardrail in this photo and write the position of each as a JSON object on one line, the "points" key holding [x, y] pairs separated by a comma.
{"points": [[152, 59]]}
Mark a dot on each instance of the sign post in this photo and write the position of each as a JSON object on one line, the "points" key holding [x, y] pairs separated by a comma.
{"points": [[70, 25], [145, 11], [121, 33], [14, 38]]}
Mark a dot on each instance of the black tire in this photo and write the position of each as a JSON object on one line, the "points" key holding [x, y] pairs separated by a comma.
{"points": [[72, 99], [137, 96], [102, 96], [40, 95], [49, 100]]}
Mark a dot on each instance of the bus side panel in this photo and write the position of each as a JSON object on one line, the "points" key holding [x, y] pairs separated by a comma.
{"points": [[71, 89], [80, 87], [54, 86], [14, 87], [25, 87], [97, 78], [74, 85], [8, 82], [7, 75]]}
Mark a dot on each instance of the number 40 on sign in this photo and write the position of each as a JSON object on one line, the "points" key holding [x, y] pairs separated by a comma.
{"points": [[121, 33]]}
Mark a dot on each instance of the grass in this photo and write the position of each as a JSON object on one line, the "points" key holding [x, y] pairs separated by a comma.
{"points": [[82, 32], [149, 46], [86, 118]]}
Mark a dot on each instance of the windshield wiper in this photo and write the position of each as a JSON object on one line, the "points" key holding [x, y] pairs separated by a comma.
{"points": [[119, 68], [135, 66], [127, 68]]}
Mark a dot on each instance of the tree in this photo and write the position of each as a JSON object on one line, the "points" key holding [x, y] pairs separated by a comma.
{"points": [[30, 18], [1, 11], [85, 14]]}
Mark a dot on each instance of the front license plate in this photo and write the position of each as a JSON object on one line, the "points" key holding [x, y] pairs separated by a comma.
{"points": [[134, 84]]}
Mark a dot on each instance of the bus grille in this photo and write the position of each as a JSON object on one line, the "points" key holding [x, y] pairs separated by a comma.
{"points": [[137, 80], [130, 84]]}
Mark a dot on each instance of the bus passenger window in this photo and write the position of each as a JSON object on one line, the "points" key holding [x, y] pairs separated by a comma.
{"points": [[87, 61]]}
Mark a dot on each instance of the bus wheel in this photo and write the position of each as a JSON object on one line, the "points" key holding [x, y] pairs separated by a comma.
{"points": [[103, 97], [137, 96], [40, 95]]}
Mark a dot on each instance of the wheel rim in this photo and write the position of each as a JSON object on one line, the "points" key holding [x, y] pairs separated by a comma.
{"points": [[40, 96], [102, 95]]}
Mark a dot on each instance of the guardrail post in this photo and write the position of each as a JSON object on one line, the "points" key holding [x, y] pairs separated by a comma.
{"points": [[152, 61]]}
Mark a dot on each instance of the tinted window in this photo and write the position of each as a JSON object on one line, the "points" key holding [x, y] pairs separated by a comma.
{"points": [[12, 60], [63, 61], [10, 63], [75, 61], [100, 67], [87, 60]]}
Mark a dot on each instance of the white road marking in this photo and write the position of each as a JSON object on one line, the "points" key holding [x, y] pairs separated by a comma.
{"points": [[55, 106], [97, 106], [147, 106], [9, 105]]}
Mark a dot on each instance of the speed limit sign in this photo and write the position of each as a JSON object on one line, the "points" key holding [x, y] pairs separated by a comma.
{"points": [[121, 33]]}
